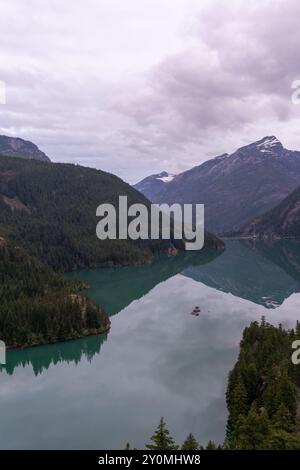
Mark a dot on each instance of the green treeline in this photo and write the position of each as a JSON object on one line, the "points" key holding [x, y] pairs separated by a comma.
{"points": [[38, 306], [162, 440], [263, 390], [262, 396], [50, 210]]}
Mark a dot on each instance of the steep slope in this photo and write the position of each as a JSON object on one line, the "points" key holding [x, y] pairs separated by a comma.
{"points": [[50, 210], [281, 221], [16, 147], [237, 187], [154, 184]]}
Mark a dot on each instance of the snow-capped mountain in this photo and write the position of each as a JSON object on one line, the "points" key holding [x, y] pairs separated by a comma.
{"points": [[235, 188], [153, 184]]}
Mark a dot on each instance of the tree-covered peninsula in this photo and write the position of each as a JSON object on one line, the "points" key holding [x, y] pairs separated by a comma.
{"points": [[39, 306]]}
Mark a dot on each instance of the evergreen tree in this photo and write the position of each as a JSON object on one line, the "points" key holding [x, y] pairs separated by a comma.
{"points": [[288, 394], [238, 402], [251, 430], [282, 440], [297, 331], [283, 419], [252, 383], [161, 439], [211, 446], [190, 443]]}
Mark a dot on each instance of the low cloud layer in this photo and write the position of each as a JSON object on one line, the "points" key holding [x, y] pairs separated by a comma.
{"points": [[152, 85]]}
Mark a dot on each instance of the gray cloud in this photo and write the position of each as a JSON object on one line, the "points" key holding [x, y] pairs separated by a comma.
{"points": [[238, 74], [150, 86]]}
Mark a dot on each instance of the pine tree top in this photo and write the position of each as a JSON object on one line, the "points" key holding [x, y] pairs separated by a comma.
{"points": [[161, 439]]}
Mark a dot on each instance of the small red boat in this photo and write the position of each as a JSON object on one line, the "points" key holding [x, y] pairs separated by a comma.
{"points": [[196, 311]]}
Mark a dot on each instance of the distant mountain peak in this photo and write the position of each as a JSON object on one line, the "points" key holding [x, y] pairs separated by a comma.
{"points": [[221, 157], [165, 177], [235, 188], [268, 144], [152, 185], [20, 148], [269, 141]]}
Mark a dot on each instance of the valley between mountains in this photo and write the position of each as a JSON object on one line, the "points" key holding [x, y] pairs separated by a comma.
{"points": [[47, 226], [235, 188]]}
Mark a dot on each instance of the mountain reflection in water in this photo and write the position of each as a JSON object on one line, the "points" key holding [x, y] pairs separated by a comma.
{"points": [[262, 272]]}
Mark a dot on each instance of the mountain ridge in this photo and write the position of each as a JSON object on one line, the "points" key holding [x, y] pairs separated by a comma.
{"points": [[239, 186], [20, 148], [50, 210], [153, 184], [283, 221]]}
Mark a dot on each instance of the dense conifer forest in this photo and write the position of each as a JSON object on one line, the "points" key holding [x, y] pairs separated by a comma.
{"points": [[38, 306], [263, 390], [50, 210]]}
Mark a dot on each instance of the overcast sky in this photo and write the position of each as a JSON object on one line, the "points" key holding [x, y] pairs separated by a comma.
{"points": [[140, 86]]}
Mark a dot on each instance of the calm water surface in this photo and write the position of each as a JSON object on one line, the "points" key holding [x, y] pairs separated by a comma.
{"points": [[101, 392]]}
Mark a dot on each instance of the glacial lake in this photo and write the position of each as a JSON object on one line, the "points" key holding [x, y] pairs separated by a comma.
{"points": [[158, 360]]}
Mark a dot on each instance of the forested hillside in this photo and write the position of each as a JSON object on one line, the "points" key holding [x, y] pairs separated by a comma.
{"points": [[263, 391], [50, 210], [48, 225], [38, 306], [283, 221]]}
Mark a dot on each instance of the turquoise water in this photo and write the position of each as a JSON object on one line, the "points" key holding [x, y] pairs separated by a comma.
{"points": [[101, 392]]}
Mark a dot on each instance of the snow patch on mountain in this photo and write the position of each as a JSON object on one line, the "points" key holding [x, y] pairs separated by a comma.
{"points": [[166, 179], [268, 143]]}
